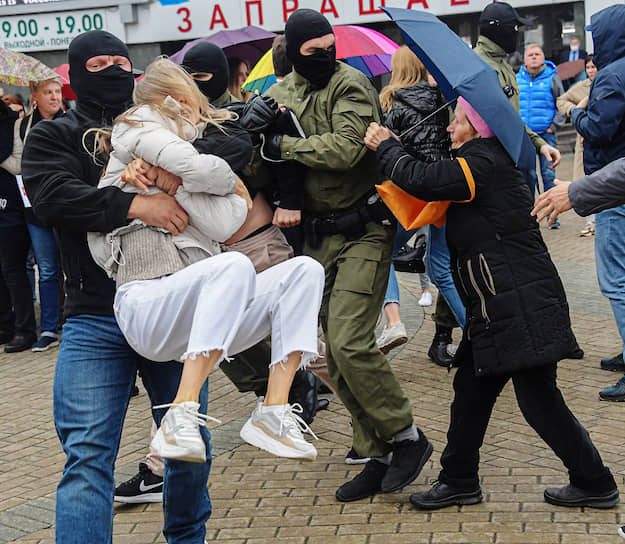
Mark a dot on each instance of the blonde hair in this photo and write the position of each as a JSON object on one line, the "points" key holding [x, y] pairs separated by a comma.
{"points": [[407, 70], [162, 78], [533, 46], [36, 86]]}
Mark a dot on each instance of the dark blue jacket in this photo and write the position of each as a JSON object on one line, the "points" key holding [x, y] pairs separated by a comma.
{"points": [[602, 125]]}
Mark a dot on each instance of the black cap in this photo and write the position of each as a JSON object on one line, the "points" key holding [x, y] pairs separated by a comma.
{"points": [[504, 14]]}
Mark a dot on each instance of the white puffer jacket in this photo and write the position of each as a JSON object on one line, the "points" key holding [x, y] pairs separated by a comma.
{"points": [[206, 194]]}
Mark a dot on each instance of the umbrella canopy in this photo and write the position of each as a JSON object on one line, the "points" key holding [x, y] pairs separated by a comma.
{"points": [[66, 89], [459, 71], [262, 75], [249, 43], [363, 48], [19, 69], [571, 68]]}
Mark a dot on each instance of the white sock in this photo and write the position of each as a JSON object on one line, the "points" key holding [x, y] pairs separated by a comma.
{"points": [[275, 408], [409, 433]]}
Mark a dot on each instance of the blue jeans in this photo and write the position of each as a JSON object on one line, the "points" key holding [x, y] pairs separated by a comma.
{"points": [[47, 256], [547, 175], [392, 290], [438, 267], [610, 257], [95, 372]]}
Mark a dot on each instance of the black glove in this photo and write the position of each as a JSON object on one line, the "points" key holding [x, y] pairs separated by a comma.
{"points": [[259, 114], [270, 147]]}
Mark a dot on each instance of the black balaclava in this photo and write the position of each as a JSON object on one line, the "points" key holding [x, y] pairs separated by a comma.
{"points": [[498, 21], [208, 58], [304, 25], [107, 93]]}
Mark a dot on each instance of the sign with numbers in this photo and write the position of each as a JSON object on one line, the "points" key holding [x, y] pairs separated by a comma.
{"points": [[52, 30]]}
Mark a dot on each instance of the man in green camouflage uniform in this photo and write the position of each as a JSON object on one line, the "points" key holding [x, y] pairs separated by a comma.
{"points": [[353, 238]]}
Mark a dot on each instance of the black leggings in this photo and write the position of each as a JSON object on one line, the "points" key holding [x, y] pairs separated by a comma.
{"points": [[16, 297], [543, 407]]}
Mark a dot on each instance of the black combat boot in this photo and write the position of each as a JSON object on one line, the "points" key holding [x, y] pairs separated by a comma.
{"points": [[438, 350]]}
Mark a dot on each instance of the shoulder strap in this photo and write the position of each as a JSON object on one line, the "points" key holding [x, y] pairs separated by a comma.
{"points": [[469, 177], [25, 128]]}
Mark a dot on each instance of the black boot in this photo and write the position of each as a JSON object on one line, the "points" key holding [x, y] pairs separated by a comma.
{"points": [[409, 458], [304, 393], [365, 484], [438, 350]]}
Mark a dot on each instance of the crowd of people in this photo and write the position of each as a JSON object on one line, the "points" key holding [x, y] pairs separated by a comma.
{"points": [[197, 227]]}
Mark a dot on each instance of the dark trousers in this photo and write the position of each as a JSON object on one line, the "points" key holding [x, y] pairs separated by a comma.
{"points": [[543, 407], [14, 245]]}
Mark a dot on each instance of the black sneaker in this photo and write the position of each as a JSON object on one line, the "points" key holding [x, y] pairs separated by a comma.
{"points": [[365, 484], [409, 457], [613, 364], [354, 458], [441, 495], [48, 340], [142, 487], [614, 393], [574, 496], [621, 531]]}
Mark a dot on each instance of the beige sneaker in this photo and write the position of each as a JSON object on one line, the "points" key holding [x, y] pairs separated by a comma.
{"points": [[393, 337], [279, 432], [179, 436]]}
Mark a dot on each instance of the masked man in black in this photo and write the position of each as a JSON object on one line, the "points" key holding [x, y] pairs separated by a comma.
{"points": [[96, 368]]}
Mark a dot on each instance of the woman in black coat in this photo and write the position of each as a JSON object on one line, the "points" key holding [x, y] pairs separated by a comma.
{"points": [[518, 324]]}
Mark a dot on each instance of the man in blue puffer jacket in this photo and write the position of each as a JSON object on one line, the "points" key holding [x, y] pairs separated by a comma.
{"points": [[601, 122], [539, 87]]}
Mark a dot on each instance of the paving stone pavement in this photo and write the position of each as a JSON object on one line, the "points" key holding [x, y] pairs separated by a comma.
{"points": [[258, 498]]}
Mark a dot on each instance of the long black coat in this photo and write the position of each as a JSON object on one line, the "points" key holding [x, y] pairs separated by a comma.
{"points": [[517, 313]]}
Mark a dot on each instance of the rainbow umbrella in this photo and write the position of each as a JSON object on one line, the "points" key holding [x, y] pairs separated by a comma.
{"points": [[363, 48], [261, 77]]}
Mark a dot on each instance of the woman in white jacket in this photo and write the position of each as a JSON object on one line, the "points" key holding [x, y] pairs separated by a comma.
{"points": [[179, 297]]}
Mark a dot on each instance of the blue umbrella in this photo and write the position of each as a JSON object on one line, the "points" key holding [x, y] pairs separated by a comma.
{"points": [[459, 71]]}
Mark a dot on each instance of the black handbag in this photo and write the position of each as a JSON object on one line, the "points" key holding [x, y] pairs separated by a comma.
{"points": [[410, 257]]}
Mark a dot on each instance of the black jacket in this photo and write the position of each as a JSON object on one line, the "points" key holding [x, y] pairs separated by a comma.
{"points": [[517, 313], [11, 204], [61, 181], [430, 141], [29, 215], [230, 142]]}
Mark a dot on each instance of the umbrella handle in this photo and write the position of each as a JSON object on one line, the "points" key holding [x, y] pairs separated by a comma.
{"points": [[417, 125]]}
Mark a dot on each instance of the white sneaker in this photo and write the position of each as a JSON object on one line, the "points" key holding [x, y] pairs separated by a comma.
{"points": [[179, 436], [426, 299], [279, 432], [393, 337]]}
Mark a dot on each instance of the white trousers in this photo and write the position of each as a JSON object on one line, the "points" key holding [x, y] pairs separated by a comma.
{"points": [[220, 303]]}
